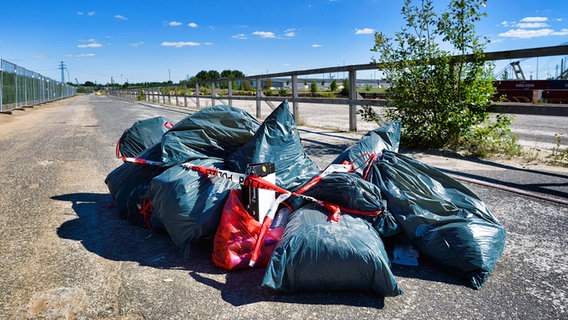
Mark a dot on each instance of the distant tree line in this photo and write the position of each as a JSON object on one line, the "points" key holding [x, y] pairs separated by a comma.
{"points": [[202, 76], [213, 75]]}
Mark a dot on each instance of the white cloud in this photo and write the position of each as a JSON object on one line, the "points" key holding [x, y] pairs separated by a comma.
{"points": [[290, 32], [92, 13], [264, 34], [208, 43], [562, 32], [240, 36], [91, 43], [364, 31], [121, 17], [534, 19], [527, 34], [532, 25], [315, 45], [84, 55], [180, 44], [174, 23], [136, 44], [192, 25]]}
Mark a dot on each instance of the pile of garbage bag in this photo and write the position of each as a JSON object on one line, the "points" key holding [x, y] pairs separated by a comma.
{"points": [[328, 231]]}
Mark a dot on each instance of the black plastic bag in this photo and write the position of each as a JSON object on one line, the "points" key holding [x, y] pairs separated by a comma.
{"points": [[445, 220], [317, 255], [277, 141], [214, 132]]}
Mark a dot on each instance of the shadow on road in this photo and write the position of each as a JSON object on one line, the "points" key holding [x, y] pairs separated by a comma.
{"points": [[101, 231]]}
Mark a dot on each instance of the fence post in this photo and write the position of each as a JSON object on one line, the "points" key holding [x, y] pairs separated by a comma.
{"points": [[212, 93], [295, 109], [352, 97], [1, 83], [26, 103], [16, 83], [258, 89], [197, 93], [33, 89], [177, 96], [230, 93], [185, 95]]}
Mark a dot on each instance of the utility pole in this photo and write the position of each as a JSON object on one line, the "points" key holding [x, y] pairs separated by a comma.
{"points": [[62, 67]]}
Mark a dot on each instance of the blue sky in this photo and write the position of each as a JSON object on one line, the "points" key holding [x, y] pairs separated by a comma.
{"points": [[146, 40]]}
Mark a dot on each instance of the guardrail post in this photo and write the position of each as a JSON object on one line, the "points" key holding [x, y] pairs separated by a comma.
{"points": [[197, 93], [352, 97], [258, 89], [295, 109], [212, 93], [230, 92], [177, 96], [185, 95]]}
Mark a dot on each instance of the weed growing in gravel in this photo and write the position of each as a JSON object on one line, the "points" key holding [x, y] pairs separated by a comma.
{"points": [[559, 155], [490, 139]]}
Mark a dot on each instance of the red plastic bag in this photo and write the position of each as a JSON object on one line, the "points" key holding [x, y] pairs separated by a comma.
{"points": [[236, 236]]}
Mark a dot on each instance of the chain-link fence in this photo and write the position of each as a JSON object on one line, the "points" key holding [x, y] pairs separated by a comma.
{"points": [[20, 88]]}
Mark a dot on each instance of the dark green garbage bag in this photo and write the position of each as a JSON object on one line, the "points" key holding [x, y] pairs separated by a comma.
{"points": [[317, 255], [445, 220], [142, 135], [125, 178], [187, 204], [214, 132], [136, 210], [356, 196], [350, 192], [386, 137], [277, 141]]}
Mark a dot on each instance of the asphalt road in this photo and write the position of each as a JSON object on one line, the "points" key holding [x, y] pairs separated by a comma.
{"points": [[66, 254]]}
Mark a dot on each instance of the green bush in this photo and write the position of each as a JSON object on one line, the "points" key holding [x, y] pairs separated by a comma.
{"points": [[314, 87], [438, 94]]}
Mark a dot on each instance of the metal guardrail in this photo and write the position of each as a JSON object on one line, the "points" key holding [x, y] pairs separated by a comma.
{"points": [[195, 95], [21, 88]]}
